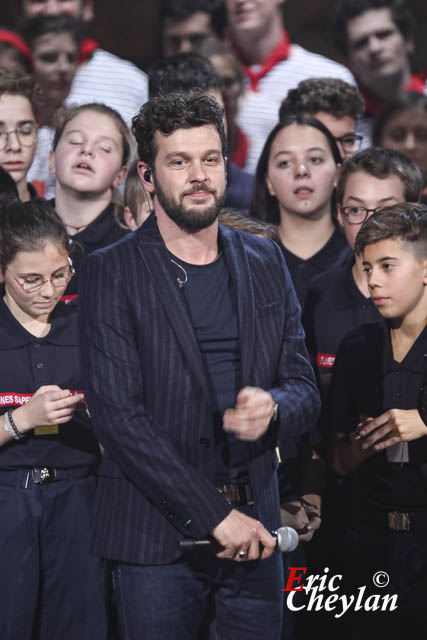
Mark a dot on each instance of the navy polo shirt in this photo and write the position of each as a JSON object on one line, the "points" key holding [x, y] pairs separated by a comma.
{"points": [[27, 363], [334, 306], [333, 254], [367, 381]]}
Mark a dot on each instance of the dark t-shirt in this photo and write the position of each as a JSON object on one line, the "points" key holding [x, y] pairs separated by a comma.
{"points": [[366, 382], [27, 363], [334, 254], [208, 293]]}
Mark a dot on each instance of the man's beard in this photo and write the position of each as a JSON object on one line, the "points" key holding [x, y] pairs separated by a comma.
{"points": [[192, 219]]}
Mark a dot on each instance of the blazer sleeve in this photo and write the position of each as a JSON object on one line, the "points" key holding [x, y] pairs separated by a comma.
{"points": [[114, 388], [295, 388]]}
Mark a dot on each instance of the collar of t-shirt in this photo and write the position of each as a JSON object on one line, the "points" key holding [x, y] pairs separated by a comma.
{"points": [[87, 47], [256, 72], [373, 105], [14, 335]]}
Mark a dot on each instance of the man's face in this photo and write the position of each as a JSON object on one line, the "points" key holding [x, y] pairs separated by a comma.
{"points": [[377, 50], [18, 126], [189, 177], [344, 131], [77, 8], [365, 191], [252, 16], [182, 36]]}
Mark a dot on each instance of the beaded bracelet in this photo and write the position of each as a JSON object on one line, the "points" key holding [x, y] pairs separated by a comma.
{"points": [[11, 427]]}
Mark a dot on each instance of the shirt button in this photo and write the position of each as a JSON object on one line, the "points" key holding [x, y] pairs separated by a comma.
{"points": [[363, 307], [36, 345], [40, 365], [204, 442], [397, 373]]}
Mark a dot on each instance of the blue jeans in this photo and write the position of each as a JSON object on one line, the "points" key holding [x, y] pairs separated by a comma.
{"points": [[169, 602]]}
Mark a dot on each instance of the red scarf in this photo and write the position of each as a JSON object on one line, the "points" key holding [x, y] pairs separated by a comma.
{"points": [[87, 47], [240, 154], [280, 52], [373, 105]]}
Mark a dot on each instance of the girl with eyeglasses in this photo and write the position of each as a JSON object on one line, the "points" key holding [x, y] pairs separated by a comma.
{"points": [[50, 585]]}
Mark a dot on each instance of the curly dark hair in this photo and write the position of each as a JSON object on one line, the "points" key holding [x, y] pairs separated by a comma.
{"points": [[382, 163], [167, 113], [264, 206], [18, 84], [345, 10], [332, 95], [406, 222]]}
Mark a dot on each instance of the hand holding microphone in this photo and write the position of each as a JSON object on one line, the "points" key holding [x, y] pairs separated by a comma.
{"points": [[250, 542]]}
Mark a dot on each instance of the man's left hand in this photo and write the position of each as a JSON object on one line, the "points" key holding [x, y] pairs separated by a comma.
{"points": [[250, 419]]}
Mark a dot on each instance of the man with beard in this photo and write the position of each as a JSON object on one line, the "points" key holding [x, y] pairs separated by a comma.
{"points": [[196, 366]]}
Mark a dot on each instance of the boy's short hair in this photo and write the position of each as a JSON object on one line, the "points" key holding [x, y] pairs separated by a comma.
{"points": [[183, 9], [331, 95], [346, 10], [170, 112], [382, 163], [133, 195], [406, 222], [17, 84], [187, 71]]}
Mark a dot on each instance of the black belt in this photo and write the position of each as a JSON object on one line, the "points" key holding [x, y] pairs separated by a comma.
{"points": [[42, 475], [237, 494]]}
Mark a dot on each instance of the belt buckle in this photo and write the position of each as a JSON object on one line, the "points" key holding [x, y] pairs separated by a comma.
{"points": [[399, 521], [231, 493], [43, 475]]}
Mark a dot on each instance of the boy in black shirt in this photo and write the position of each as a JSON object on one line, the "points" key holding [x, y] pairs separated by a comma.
{"points": [[372, 413], [338, 300]]}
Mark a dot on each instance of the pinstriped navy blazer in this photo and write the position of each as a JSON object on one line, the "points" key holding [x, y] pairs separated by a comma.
{"points": [[148, 395]]}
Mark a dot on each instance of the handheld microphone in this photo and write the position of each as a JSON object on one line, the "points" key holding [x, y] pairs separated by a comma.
{"points": [[286, 541]]}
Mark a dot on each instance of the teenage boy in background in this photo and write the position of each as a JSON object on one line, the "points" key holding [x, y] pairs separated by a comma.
{"points": [[336, 103], [375, 414], [338, 301]]}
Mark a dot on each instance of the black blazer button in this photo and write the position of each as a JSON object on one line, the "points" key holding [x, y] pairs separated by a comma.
{"points": [[204, 442]]}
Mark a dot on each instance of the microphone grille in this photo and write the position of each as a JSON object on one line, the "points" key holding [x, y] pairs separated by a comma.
{"points": [[287, 539]]}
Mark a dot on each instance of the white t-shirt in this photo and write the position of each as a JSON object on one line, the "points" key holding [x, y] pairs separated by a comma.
{"points": [[258, 112]]}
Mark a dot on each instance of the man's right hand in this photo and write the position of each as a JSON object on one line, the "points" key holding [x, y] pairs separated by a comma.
{"points": [[238, 532]]}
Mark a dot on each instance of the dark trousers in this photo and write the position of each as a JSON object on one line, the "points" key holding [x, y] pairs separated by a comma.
{"points": [[169, 602], [51, 587], [374, 548]]}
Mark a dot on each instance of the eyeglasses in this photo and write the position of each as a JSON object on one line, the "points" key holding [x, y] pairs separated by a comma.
{"points": [[31, 284], [351, 142], [357, 214], [26, 134]]}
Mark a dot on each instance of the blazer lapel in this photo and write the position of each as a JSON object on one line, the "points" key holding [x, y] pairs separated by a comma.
{"points": [[157, 260], [238, 264]]}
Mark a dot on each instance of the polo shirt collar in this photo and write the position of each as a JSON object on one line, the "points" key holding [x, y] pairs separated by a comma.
{"points": [[415, 360], [256, 72], [13, 334]]}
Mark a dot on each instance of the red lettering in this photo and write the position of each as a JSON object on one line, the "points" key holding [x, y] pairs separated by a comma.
{"points": [[294, 578], [325, 360]]}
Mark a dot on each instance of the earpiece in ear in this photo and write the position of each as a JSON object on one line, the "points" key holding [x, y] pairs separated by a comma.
{"points": [[147, 175]]}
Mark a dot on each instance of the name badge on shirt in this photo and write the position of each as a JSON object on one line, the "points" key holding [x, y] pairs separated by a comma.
{"points": [[48, 430]]}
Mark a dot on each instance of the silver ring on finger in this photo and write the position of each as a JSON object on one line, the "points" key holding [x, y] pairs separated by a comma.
{"points": [[242, 554]]}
